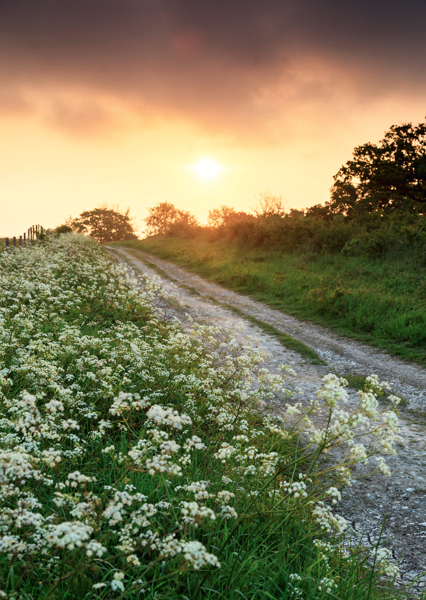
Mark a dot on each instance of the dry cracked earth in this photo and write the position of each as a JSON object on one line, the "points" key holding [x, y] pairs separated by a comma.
{"points": [[393, 508]]}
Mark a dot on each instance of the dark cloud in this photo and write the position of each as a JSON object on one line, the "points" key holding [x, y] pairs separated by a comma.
{"points": [[231, 62]]}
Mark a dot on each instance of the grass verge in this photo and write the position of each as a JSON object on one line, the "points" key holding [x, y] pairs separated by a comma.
{"points": [[286, 340], [378, 301]]}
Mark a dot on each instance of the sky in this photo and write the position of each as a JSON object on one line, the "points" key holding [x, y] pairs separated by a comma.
{"points": [[115, 101]]}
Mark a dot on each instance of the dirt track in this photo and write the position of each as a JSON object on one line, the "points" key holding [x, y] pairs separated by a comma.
{"points": [[402, 498]]}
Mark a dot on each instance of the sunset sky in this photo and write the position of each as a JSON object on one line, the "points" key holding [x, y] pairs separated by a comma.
{"points": [[115, 101]]}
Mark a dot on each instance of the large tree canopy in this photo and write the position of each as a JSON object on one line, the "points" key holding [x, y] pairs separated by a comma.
{"points": [[389, 176], [105, 224]]}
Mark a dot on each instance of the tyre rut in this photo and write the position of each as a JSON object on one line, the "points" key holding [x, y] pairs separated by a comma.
{"points": [[401, 498]]}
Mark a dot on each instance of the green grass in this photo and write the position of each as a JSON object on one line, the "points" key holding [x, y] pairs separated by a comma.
{"points": [[286, 340], [380, 301], [92, 330]]}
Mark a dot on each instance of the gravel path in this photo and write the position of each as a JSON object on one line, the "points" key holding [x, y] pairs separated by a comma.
{"points": [[401, 498]]}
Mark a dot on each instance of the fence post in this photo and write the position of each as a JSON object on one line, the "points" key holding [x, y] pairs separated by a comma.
{"points": [[27, 237]]}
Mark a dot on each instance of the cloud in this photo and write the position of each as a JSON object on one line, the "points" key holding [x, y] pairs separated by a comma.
{"points": [[80, 118], [14, 103], [228, 65]]}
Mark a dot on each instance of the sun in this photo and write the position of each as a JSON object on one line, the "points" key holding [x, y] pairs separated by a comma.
{"points": [[207, 168]]}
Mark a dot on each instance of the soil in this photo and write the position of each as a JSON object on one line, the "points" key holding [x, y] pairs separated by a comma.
{"points": [[391, 508]]}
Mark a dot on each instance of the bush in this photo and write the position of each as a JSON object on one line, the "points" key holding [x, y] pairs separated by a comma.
{"points": [[391, 239], [63, 229]]}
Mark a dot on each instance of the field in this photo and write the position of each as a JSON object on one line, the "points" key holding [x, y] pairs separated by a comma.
{"points": [[135, 459], [378, 300]]}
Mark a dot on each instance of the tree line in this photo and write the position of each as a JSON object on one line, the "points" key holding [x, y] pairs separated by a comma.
{"points": [[377, 196]]}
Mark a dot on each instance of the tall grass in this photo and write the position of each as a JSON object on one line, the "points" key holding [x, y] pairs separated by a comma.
{"points": [[380, 300], [136, 460]]}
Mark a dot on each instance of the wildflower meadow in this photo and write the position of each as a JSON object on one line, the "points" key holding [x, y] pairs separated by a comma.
{"points": [[139, 459]]}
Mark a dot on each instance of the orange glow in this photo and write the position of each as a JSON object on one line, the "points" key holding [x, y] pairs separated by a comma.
{"points": [[135, 103], [207, 168], [60, 161]]}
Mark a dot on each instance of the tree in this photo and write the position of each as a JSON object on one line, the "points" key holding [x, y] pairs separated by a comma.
{"points": [[225, 215], [105, 224], [184, 221], [165, 218], [160, 217], [319, 211], [269, 205], [389, 176]]}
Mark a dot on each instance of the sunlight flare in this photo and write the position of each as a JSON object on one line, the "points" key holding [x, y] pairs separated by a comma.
{"points": [[207, 168]]}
